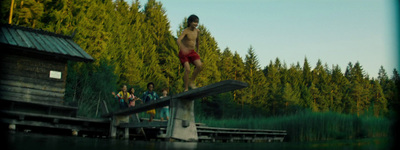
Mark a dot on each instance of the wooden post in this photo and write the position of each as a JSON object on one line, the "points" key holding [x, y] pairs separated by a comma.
{"points": [[75, 132], [126, 133], [113, 128], [12, 127], [170, 121], [98, 103]]}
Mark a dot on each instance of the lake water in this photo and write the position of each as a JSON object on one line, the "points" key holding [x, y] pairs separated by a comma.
{"points": [[32, 141]]}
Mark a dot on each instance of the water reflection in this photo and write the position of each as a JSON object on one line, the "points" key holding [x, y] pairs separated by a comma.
{"points": [[51, 142], [177, 145]]}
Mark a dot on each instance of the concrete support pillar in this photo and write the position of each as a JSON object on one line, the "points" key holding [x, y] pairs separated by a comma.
{"points": [[182, 125]]}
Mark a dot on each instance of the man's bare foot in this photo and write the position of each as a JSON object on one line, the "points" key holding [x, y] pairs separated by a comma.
{"points": [[191, 85], [185, 90]]}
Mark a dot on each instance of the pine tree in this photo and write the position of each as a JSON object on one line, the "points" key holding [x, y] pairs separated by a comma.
{"points": [[347, 72], [339, 84], [294, 76], [306, 98], [29, 13], [321, 80], [226, 65], [5, 6], [256, 93], [307, 77], [59, 16], [315, 93], [209, 53], [357, 73], [158, 23], [395, 101], [360, 89], [133, 64], [388, 86], [238, 68], [251, 65], [274, 89], [91, 35], [166, 47], [378, 100], [117, 47], [290, 96], [382, 76], [151, 71]]}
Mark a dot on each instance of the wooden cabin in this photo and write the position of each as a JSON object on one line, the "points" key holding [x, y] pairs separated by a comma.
{"points": [[33, 66]]}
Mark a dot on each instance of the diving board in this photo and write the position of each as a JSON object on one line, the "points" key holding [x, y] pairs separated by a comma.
{"points": [[212, 89]]}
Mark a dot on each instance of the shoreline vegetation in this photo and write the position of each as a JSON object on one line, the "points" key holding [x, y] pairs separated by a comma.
{"points": [[311, 126]]}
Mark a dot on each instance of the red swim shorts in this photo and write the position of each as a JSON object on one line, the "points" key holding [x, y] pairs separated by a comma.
{"points": [[190, 57]]}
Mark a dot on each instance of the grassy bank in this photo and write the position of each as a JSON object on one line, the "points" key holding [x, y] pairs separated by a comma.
{"points": [[311, 126]]}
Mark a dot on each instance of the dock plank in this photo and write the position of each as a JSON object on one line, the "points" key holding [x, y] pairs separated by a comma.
{"points": [[239, 129], [145, 124], [50, 125], [16, 113], [241, 133], [59, 106]]}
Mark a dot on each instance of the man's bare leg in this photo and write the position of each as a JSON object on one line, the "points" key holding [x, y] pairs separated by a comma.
{"points": [[197, 70], [186, 67]]}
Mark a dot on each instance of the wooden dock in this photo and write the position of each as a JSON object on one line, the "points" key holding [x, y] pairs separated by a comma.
{"points": [[214, 134], [44, 116], [182, 126], [157, 130]]}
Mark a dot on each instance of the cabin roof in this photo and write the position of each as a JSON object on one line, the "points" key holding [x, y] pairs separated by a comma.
{"points": [[42, 42]]}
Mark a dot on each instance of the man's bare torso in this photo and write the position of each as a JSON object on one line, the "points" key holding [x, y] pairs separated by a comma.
{"points": [[190, 39]]}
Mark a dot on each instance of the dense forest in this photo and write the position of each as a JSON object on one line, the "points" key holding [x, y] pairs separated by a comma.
{"points": [[133, 45]]}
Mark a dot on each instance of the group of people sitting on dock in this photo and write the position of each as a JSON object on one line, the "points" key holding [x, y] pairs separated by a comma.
{"points": [[128, 99]]}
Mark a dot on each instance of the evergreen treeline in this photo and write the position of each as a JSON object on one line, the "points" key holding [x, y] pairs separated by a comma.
{"points": [[133, 44]]}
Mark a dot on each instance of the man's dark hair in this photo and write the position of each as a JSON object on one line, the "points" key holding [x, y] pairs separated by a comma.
{"points": [[192, 18], [148, 84]]}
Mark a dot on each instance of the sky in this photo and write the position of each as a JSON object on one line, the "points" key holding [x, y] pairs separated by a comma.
{"points": [[335, 31]]}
